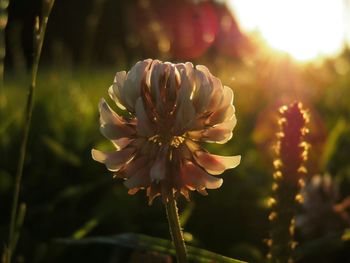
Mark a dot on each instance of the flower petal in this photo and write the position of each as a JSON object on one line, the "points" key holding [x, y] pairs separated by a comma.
{"points": [[158, 169], [185, 113], [135, 165], [113, 132], [139, 179], [114, 90], [112, 125], [202, 93], [131, 89], [221, 115], [159, 74], [216, 164], [217, 95], [153, 191], [144, 126], [172, 88], [197, 178], [219, 133], [113, 160], [107, 115], [122, 142]]}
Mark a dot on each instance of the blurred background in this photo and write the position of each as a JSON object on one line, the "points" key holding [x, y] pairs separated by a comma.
{"points": [[269, 52]]}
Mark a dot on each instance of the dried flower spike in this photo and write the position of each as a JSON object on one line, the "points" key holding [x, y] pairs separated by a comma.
{"points": [[291, 155], [173, 109]]}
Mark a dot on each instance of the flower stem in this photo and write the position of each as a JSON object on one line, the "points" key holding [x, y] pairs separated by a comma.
{"points": [[175, 229], [38, 39]]}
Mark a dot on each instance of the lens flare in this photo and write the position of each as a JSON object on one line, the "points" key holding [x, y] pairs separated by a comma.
{"points": [[304, 29]]}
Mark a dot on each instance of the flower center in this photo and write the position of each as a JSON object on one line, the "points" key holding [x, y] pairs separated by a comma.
{"points": [[173, 141], [176, 141]]}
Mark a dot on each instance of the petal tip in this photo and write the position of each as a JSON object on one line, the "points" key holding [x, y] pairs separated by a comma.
{"points": [[236, 161], [97, 155]]}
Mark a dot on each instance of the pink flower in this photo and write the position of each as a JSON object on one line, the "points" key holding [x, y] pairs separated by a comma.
{"points": [[173, 109]]}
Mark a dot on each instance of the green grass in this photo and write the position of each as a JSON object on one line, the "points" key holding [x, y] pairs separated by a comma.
{"points": [[68, 195]]}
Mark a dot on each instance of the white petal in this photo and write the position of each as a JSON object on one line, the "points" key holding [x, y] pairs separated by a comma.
{"points": [[144, 126], [197, 178], [228, 96], [216, 164], [135, 165], [158, 169], [217, 96], [113, 160], [221, 115], [121, 143], [113, 132], [139, 179], [219, 133], [203, 69], [116, 99], [108, 115], [112, 125], [114, 90], [202, 93], [131, 89], [172, 87], [185, 113]]}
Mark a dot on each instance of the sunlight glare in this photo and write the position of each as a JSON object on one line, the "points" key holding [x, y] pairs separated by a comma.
{"points": [[304, 29]]}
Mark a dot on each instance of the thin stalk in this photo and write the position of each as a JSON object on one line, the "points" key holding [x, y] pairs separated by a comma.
{"points": [[39, 35], [3, 22], [175, 229]]}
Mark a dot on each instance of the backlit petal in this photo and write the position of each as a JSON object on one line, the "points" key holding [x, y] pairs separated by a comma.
{"points": [[139, 179], [185, 114], [221, 115], [114, 90], [219, 133], [144, 126], [113, 160], [131, 89], [158, 169], [135, 165], [112, 125], [216, 164], [198, 178], [121, 143]]}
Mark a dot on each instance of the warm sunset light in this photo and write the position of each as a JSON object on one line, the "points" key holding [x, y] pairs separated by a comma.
{"points": [[304, 29], [154, 119]]}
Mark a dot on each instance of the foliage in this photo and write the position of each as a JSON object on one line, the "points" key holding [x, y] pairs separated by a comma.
{"points": [[70, 196]]}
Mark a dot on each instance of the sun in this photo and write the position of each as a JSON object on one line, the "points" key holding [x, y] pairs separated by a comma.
{"points": [[304, 29]]}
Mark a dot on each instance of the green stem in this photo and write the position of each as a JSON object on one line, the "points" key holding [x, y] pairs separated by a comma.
{"points": [[175, 229], [4, 16], [39, 34]]}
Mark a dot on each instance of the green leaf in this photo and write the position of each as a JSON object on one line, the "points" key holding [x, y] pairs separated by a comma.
{"points": [[144, 242], [332, 141], [186, 213], [86, 228]]}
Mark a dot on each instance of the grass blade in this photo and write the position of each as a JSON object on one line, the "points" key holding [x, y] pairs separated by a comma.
{"points": [[144, 242]]}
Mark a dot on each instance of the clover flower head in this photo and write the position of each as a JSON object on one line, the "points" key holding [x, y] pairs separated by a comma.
{"points": [[171, 110]]}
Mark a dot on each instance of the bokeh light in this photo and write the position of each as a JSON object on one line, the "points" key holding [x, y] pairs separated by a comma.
{"points": [[304, 29]]}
